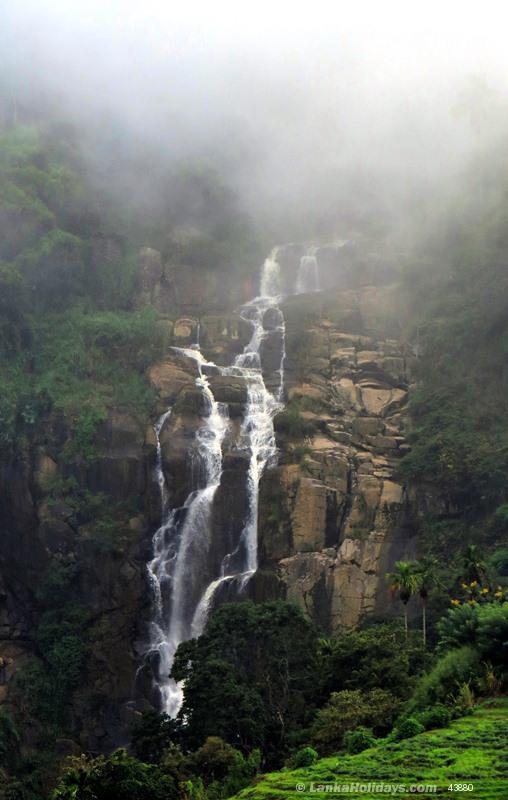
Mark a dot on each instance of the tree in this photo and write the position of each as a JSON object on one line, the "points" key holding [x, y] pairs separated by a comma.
{"points": [[483, 627], [493, 632], [458, 627], [371, 657], [349, 709], [404, 582], [427, 579], [114, 777], [251, 678], [223, 770], [152, 735], [474, 567]]}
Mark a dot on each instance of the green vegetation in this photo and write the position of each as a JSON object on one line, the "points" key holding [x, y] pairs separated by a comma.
{"points": [[152, 735], [9, 742], [43, 687], [350, 709], [114, 778], [372, 657], [70, 337], [292, 424], [215, 771], [404, 583], [74, 352], [358, 740], [58, 349], [250, 678], [470, 751], [277, 693], [484, 627], [458, 281], [262, 687]]}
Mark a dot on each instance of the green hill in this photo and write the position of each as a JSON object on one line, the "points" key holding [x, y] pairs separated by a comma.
{"points": [[473, 750]]}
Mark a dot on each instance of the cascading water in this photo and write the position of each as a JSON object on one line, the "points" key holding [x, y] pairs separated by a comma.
{"points": [[183, 592], [181, 542], [270, 276], [308, 274]]}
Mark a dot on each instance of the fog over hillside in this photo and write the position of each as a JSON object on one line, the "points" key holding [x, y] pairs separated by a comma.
{"points": [[317, 110], [253, 399]]}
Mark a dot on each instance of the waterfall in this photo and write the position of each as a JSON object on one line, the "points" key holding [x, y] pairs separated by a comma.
{"points": [[183, 593], [308, 274], [270, 276], [180, 545]]}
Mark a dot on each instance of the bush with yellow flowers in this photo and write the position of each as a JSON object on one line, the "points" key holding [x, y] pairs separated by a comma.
{"points": [[474, 593]]}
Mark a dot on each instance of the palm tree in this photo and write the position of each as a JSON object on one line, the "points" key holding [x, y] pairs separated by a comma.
{"points": [[404, 582], [473, 565], [426, 580]]}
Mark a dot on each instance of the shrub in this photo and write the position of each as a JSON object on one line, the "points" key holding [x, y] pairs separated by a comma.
{"points": [[114, 777], [465, 698], [42, 688], [304, 757], [295, 455], [483, 626], [349, 709], [492, 632], [491, 682], [458, 627], [223, 769], [440, 685], [437, 716], [358, 740], [290, 422], [82, 445], [56, 583], [498, 561], [407, 728], [214, 759]]}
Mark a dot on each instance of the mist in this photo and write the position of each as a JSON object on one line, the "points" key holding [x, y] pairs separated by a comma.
{"points": [[316, 115]]}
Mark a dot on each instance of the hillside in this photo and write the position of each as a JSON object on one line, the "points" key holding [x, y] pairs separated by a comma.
{"points": [[470, 751], [253, 496]]}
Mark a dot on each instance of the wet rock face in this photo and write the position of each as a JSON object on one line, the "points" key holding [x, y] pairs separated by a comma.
{"points": [[339, 517], [331, 524], [194, 289], [44, 525]]}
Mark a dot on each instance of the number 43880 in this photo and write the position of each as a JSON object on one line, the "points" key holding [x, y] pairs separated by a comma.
{"points": [[460, 787]]}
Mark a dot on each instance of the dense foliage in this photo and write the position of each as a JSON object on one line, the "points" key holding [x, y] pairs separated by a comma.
{"points": [[459, 281], [251, 677], [114, 778], [70, 337]]}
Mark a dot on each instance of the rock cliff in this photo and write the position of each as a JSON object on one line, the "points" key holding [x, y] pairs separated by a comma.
{"points": [[333, 523], [333, 515]]}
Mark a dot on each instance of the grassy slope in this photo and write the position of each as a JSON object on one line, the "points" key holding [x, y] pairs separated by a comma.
{"points": [[473, 749]]}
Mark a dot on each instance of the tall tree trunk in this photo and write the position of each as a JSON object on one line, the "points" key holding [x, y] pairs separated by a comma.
{"points": [[424, 620], [405, 619]]}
